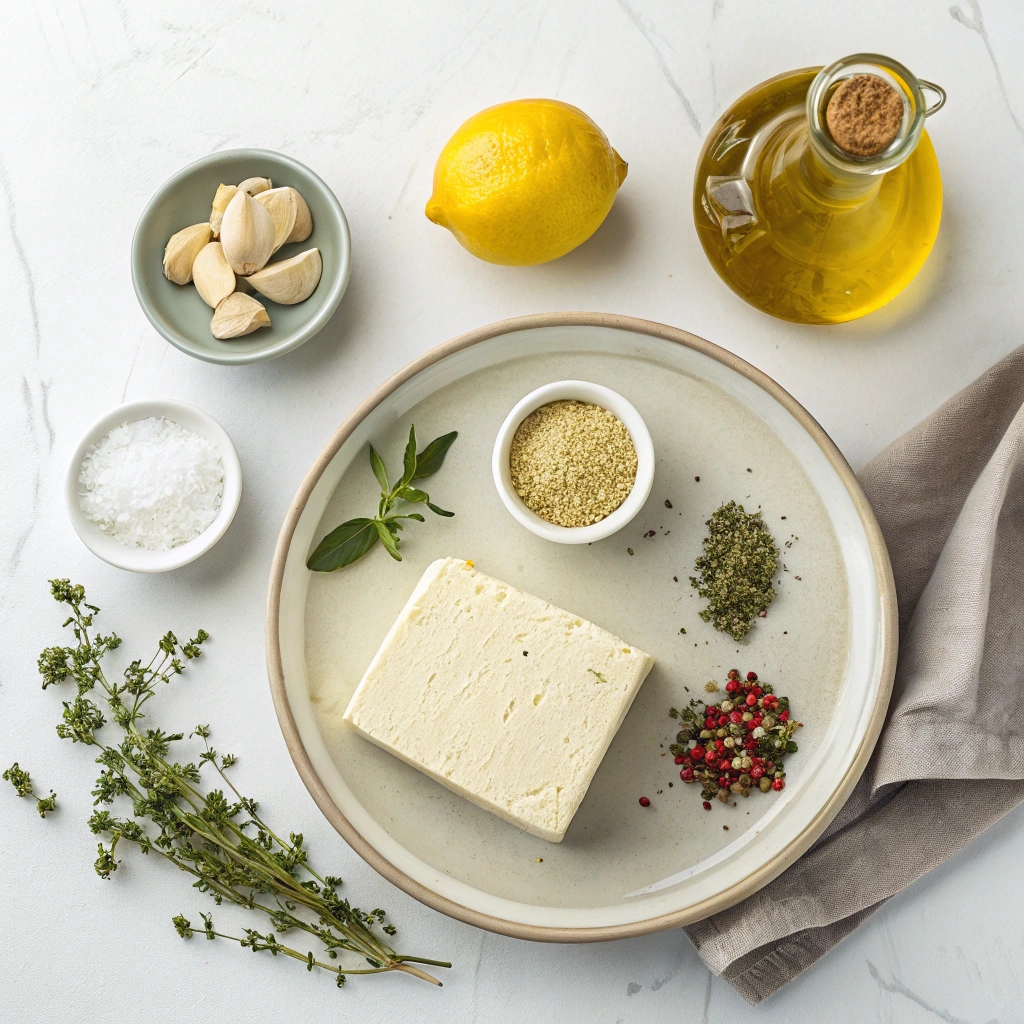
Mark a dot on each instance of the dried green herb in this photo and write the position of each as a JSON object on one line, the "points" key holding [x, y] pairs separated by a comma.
{"points": [[354, 538], [736, 570], [213, 834], [22, 783]]}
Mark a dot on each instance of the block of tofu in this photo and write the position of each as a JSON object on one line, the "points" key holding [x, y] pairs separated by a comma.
{"points": [[498, 695]]}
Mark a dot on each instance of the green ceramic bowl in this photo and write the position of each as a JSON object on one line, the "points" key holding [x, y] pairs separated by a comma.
{"points": [[178, 312]]}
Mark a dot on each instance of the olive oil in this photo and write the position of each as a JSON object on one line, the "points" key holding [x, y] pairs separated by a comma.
{"points": [[797, 227]]}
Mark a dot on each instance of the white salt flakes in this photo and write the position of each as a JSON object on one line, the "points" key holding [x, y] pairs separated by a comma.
{"points": [[151, 484]]}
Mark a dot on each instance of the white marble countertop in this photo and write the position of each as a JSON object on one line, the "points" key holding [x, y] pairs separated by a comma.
{"points": [[103, 101]]}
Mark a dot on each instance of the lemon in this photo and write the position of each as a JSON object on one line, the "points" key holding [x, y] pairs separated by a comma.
{"points": [[525, 182]]}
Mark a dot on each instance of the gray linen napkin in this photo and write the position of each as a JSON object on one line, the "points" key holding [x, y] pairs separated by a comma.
{"points": [[949, 497]]}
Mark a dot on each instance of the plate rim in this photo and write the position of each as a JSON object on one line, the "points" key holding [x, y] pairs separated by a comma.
{"points": [[888, 627]]}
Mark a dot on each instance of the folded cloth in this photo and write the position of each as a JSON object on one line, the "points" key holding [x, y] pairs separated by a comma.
{"points": [[949, 497]]}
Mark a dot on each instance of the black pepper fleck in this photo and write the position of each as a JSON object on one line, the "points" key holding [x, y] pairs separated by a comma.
{"points": [[668, 504], [629, 551]]}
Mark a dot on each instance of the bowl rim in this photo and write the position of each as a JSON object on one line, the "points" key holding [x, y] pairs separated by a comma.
{"points": [[888, 637], [290, 342], [139, 559], [596, 394]]}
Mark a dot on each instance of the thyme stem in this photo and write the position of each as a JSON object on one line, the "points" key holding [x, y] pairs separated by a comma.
{"points": [[201, 831]]}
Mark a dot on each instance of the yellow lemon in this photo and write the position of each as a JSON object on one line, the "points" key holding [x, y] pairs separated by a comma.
{"points": [[525, 182]]}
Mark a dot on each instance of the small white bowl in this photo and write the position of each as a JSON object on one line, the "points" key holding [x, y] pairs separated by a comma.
{"points": [[581, 391], [139, 559]]}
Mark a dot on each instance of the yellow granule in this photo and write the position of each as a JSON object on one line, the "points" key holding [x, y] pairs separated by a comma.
{"points": [[573, 463]]}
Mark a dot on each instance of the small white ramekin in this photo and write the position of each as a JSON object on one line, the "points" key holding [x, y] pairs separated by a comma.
{"points": [[139, 559], [580, 391]]}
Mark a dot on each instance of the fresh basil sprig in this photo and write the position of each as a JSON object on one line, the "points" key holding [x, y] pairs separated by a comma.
{"points": [[353, 539]]}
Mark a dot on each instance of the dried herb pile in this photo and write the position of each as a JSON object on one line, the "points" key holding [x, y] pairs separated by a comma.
{"points": [[736, 570]]}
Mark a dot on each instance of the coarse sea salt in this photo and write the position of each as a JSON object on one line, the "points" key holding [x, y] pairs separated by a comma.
{"points": [[151, 484]]}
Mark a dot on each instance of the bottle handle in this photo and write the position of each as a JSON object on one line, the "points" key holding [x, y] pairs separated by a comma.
{"points": [[939, 91]]}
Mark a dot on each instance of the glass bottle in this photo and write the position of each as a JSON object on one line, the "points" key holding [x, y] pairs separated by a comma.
{"points": [[801, 228]]}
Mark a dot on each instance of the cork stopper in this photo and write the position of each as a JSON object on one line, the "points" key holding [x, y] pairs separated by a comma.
{"points": [[864, 115]]}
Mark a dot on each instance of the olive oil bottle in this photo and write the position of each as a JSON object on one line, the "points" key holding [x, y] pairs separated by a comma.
{"points": [[802, 228]]}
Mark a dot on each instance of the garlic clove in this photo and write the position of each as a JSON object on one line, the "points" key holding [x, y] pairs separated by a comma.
{"points": [[214, 278], [290, 281], [292, 220], [182, 250], [238, 315], [225, 193], [247, 234], [255, 185]]}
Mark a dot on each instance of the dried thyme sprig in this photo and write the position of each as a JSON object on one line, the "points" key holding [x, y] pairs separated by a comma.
{"points": [[354, 538], [736, 570], [22, 783], [204, 833]]}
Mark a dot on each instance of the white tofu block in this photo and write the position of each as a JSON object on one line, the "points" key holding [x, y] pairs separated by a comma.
{"points": [[498, 695]]}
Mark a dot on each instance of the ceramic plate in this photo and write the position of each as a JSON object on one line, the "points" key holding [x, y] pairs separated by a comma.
{"points": [[828, 642]]}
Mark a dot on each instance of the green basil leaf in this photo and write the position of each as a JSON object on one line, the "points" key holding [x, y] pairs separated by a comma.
{"points": [[387, 537], [410, 458], [413, 494], [343, 545], [379, 470], [439, 511], [412, 515], [429, 460]]}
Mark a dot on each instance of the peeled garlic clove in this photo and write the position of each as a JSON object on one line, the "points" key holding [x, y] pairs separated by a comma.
{"points": [[225, 193], [247, 234], [214, 278], [292, 220], [182, 250], [255, 185], [238, 315], [290, 281]]}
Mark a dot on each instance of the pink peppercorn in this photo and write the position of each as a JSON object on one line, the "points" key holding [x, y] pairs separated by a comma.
{"points": [[679, 758], [736, 716], [778, 784], [784, 717], [686, 775], [697, 753], [756, 772], [706, 805], [751, 700], [644, 802], [752, 677], [732, 686]]}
